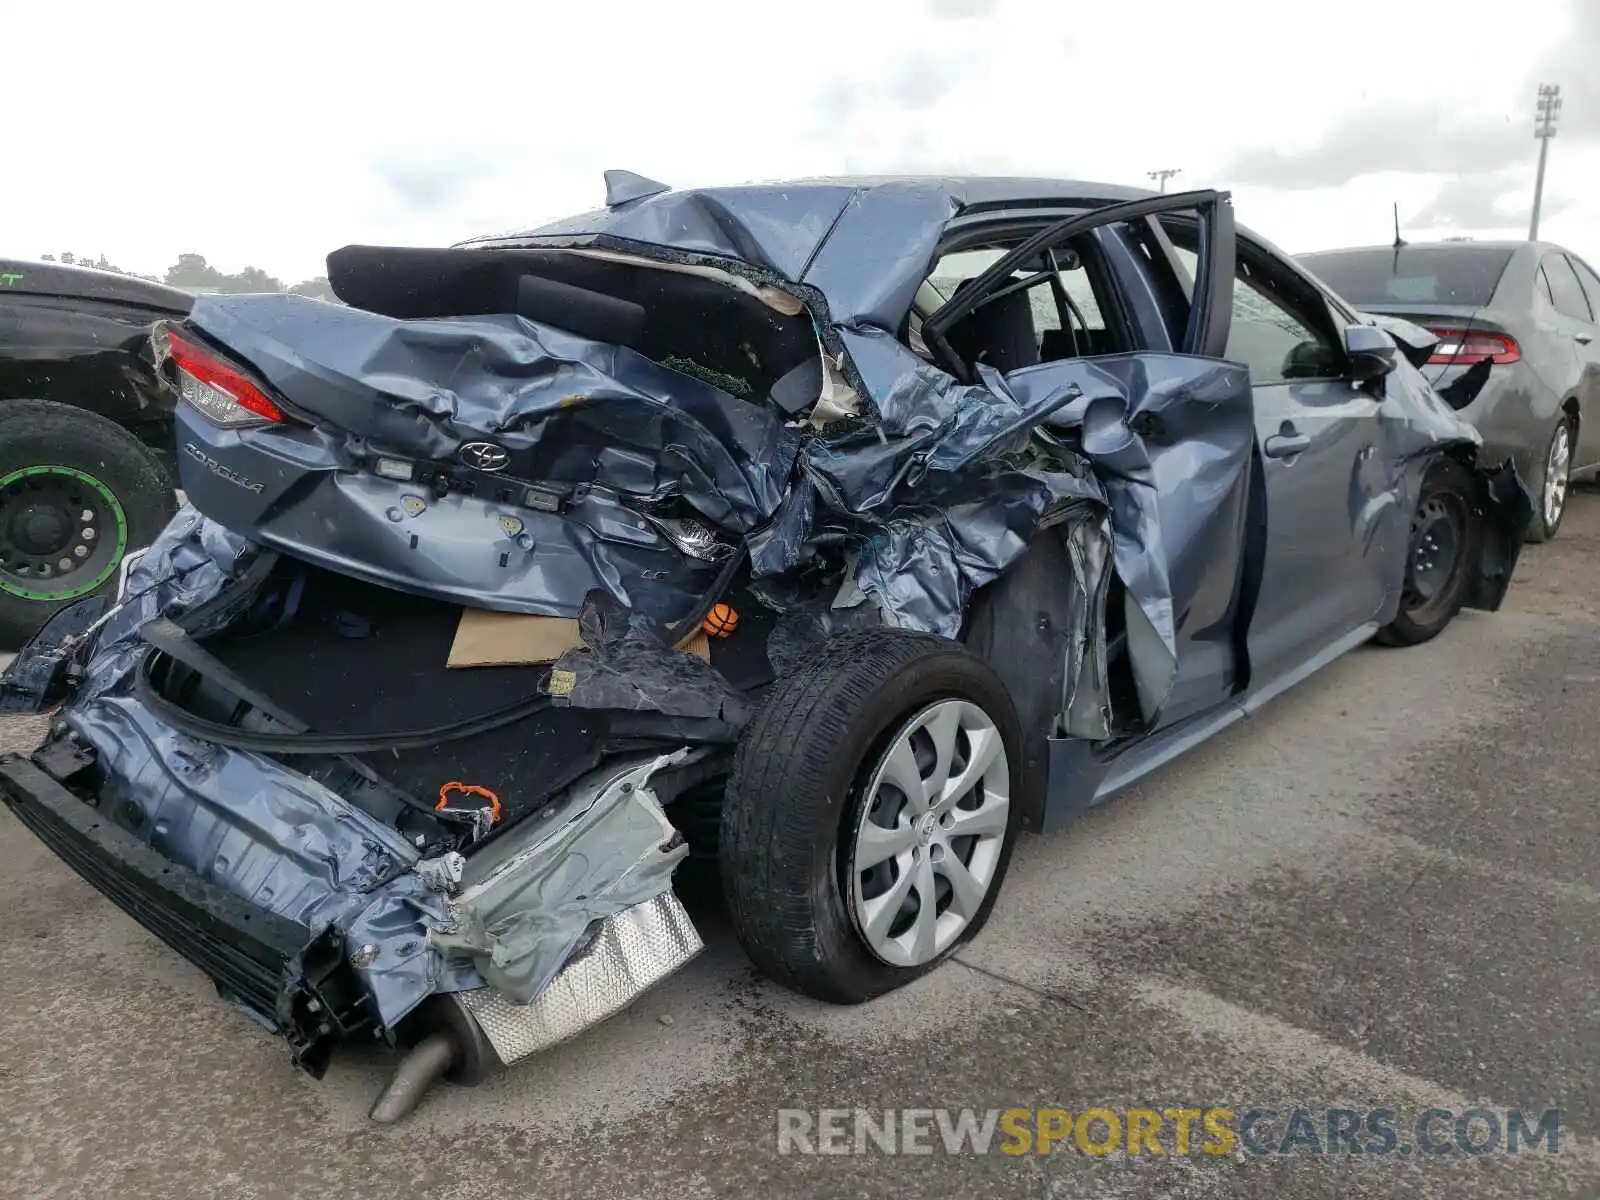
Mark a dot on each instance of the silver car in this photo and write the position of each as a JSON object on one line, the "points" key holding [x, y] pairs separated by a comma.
{"points": [[1519, 350]]}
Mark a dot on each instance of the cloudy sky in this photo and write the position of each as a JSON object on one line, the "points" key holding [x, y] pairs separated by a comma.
{"points": [[267, 134]]}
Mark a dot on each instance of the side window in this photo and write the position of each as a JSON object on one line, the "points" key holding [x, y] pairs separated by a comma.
{"points": [[1052, 310], [1566, 290], [1275, 343], [1591, 284], [1269, 336]]}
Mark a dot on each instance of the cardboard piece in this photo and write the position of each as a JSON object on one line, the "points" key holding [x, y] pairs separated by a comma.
{"points": [[697, 643], [496, 639]]}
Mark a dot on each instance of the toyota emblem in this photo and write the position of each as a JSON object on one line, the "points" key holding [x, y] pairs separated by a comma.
{"points": [[485, 456]]}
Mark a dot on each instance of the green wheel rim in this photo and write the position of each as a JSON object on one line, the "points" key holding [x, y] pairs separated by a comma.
{"points": [[75, 588]]}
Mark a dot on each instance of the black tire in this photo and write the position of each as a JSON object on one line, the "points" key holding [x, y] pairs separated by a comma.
{"points": [[1540, 530], [50, 446], [1448, 486], [796, 788]]}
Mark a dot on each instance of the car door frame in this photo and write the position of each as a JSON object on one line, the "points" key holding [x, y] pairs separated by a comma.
{"points": [[1083, 773], [1207, 330]]}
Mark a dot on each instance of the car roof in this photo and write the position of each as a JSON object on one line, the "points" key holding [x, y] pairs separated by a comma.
{"points": [[862, 240], [1474, 244], [822, 192]]}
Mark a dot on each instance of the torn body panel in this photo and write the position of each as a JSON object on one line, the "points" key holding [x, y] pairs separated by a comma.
{"points": [[525, 903], [595, 437], [289, 846]]}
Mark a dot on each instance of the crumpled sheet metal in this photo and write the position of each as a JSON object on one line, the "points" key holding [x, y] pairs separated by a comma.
{"points": [[1085, 706], [627, 954], [469, 549], [623, 666], [776, 230], [188, 564], [940, 488], [572, 412], [282, 841], [866, 243], [277, 839], [1434, 427], [242, 821], [1172, 441], [923, 566], [526, 906], [947, 491], [588, 411]]}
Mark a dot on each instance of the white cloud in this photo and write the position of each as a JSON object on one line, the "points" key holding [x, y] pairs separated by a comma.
{"points": [[270, 136]]}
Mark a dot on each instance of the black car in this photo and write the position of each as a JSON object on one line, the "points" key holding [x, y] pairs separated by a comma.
{"points": [[1519, 345], [86, 460]]}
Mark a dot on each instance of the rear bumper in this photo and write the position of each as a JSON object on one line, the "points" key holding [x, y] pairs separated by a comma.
{"points": [[256, 958], [244, 949], [299, 981]]}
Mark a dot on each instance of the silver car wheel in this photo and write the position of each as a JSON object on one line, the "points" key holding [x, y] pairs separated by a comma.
{"points": [[1557, 470], [934, 816]]}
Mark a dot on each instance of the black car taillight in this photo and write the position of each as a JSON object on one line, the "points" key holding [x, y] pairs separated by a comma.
{"points": [[216, 388], [1467, 347]]}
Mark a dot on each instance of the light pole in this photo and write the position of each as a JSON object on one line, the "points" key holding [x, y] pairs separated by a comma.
{"points": [[1544, 128], [1163, 175]]}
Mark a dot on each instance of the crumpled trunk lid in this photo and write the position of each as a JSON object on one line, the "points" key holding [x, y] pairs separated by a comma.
{"points": [[590, 448]]}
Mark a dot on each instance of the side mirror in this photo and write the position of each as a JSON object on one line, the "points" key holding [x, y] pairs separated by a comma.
{"points": [[1371, 352]]}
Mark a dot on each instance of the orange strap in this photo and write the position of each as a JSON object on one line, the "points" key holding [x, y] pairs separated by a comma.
{"points": [[469, 789]]}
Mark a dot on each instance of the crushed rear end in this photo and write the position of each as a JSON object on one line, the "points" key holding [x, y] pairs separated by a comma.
{"points": [[307, 878], [382, 732]]}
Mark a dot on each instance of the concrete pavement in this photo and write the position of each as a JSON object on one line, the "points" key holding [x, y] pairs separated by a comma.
{"points": [[1382, 891]]}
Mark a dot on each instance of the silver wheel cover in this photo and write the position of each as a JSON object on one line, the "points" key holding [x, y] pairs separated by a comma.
{"points": [[1557, 470], [927, 843]]}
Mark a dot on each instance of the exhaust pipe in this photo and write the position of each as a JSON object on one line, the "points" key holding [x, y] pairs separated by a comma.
{"points": [[471, 1033], [454, 1048], [428, 1060]]}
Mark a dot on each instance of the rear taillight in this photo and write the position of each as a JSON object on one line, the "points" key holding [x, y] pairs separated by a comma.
{"points": [[216, 388], [1465, 347]]}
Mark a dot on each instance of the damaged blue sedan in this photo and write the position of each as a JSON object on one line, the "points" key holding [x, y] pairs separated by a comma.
{"points": [[835, 532]]}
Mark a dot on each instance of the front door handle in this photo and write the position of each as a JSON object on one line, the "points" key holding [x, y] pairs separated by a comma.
{"points": [[1583, 339], [1286, 445]]}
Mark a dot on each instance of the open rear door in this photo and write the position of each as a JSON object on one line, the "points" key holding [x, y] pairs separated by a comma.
{"points": [[1168, 427]]}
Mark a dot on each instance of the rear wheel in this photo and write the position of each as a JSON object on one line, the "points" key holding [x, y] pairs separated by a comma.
{"points": [[1446, 537], [869, 820], [1554, 481], [76, 492]]}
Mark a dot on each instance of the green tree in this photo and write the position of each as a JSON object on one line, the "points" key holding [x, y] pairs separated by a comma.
{"points": [[254, 279], [67, 258], [193, 271], [318, 288]]}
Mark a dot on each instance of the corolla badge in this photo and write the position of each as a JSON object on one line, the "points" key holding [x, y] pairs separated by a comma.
{"points": [[484, 456]]}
